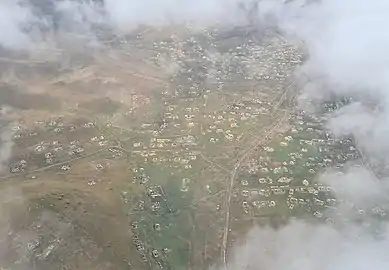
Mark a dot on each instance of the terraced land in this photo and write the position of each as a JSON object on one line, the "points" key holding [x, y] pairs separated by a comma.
{"points": [[158, 152]]}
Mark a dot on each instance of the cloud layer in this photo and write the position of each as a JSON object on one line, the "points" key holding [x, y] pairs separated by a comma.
{"points": [[346, 41]]}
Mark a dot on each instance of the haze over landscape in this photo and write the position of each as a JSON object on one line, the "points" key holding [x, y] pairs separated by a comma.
{"points": [[204, 134]]}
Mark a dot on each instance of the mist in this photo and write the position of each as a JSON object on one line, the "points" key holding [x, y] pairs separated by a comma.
{"points": [[11, 18], [32, 24], [128, 14], [304, 246], [346, 42]]}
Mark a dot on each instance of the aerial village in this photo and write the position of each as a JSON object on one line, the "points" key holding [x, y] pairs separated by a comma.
{"points": [[191, 157]]}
